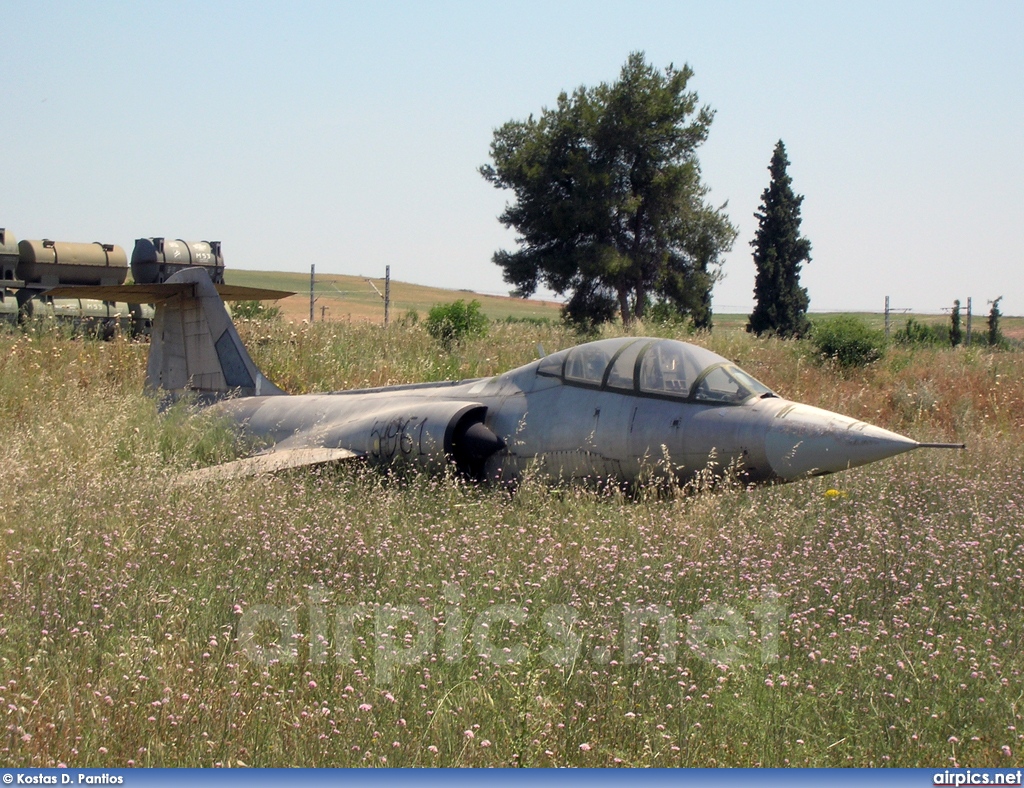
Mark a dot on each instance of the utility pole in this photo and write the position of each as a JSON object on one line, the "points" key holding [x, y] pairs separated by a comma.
{"points": [[887, 317], [386, 295], [312, 279], [968, 321]]}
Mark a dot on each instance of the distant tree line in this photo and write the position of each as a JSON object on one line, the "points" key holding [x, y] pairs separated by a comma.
{"points": [[611, 212], [916, 332]]}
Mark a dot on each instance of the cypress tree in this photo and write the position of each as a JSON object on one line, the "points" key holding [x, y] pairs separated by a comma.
{"points": [[779, 253], [993, 323], [956, 336]]}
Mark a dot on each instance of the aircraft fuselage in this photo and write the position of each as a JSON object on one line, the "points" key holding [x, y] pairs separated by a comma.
{"points": [[566, 431]]}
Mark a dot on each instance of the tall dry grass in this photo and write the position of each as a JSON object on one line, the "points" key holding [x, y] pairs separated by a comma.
{"points": [[871, 618]]}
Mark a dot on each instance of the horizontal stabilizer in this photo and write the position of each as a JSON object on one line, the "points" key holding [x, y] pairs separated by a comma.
{"points": [[155, 293], [267, 462], [239, 293]]}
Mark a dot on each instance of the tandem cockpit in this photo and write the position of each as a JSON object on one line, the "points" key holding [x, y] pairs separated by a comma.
{"points": [[662, 368]]}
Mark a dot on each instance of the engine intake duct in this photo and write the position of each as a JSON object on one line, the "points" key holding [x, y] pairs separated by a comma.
{"points": [[473, 443]]}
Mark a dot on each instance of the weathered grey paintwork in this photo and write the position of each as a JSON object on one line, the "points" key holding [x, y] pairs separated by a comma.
{"points": [[619, 409]]}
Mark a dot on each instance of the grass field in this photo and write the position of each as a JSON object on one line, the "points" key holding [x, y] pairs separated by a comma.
{"points": [[344, 618]]}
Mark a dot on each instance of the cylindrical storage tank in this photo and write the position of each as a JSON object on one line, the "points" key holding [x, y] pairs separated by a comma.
{"points": [[52, 263], [8, 255], [41, 308], [102, 319], [155, 259], [8, 307]]}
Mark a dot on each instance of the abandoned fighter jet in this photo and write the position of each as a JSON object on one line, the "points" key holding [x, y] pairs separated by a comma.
{"points": [[616, 409]]}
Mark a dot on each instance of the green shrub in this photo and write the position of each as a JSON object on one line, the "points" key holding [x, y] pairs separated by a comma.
{"points": [[665, 312], [255, 310], [451, 323], [848, 341], [527, 320], [918, 333]]}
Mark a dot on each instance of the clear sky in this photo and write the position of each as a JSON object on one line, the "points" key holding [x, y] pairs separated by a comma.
{"points": [[348, 134]]}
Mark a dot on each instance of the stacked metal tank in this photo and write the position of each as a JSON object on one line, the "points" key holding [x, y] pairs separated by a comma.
{"points": [[8, 255], [50, 263], [155, 259], [29, 268]]}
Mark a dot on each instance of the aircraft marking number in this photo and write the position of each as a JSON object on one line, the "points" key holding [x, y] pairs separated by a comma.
{"points": [[397, 437]]}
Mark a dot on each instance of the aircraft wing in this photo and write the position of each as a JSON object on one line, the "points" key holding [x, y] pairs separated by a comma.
{"points": [[266, 462]]}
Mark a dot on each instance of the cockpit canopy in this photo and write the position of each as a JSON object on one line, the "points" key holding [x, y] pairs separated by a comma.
{"points": [[653, 367]]}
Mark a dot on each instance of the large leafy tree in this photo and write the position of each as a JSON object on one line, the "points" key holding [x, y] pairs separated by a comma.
{"points": [[779, 254], [609, 204]]}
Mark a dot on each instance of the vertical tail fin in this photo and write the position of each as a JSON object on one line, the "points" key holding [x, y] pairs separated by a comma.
{"points": [[195, 347]]}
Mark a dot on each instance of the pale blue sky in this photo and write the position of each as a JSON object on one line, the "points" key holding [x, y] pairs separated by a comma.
{"points": [[349, 134]]}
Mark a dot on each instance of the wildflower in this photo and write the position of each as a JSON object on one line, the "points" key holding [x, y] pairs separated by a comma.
{"points": [[833, 494], [365, 707], [469, 734], [585, 747]]}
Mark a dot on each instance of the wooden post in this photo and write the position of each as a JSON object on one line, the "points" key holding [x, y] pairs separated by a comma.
{"points": [[887, 317], [387, 294], [312, 278], [968, 321]]}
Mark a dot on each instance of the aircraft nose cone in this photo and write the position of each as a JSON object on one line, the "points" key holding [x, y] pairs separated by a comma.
{"points": [[801, 440]]}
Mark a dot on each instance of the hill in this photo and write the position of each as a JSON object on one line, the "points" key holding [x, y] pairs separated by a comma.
{"points": [[352, 298]]}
